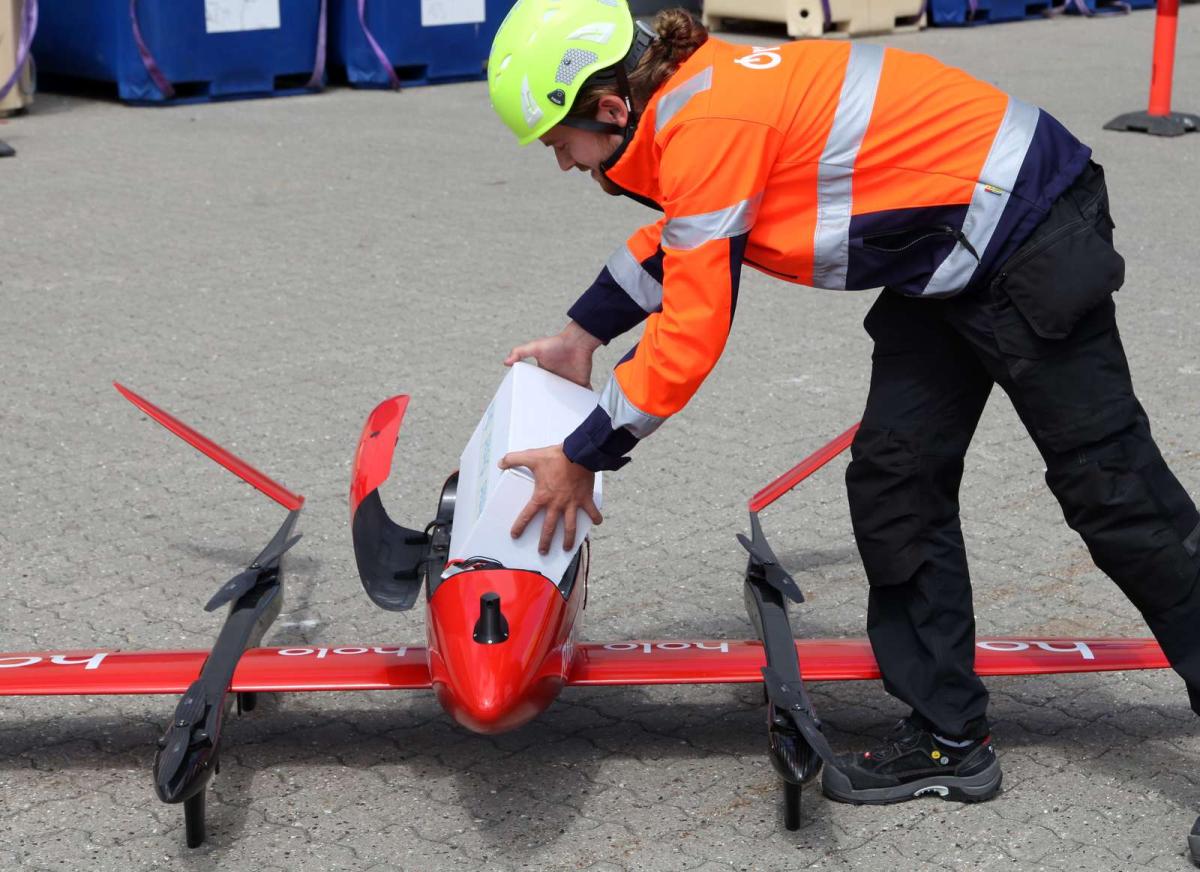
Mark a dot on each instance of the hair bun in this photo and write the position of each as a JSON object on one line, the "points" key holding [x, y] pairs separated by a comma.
{"points": [[681, 34]]}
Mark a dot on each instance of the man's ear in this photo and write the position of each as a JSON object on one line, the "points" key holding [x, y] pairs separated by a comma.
{"points": [[612, 110]]}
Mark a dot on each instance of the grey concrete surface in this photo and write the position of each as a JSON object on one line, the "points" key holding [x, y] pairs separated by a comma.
{"points": [[269, 270]]}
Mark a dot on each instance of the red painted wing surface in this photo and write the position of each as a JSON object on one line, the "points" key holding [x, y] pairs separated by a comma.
{"points": [[247, 473], [389, 667]]}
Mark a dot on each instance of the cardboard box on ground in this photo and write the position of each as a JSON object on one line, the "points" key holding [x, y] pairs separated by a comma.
{"points": [[21, 94], [532, 408]]}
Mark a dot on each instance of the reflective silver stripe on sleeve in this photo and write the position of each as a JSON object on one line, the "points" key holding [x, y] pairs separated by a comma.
{"points": [[991, 195], [625, 413], [692, 231], [835, 174], [642, 288], [670, 103]]}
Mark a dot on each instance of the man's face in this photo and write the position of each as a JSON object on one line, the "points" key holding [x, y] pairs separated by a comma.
{"points": [[582, 150]]}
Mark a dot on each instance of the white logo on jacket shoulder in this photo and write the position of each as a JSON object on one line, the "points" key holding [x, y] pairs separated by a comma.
{"points": [[760, 58]]}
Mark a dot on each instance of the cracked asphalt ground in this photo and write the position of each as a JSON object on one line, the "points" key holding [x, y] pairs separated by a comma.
{"points": [[269, 270]]}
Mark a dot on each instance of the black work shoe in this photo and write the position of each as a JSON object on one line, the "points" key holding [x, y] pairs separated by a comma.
{"points": [[913, 763]]}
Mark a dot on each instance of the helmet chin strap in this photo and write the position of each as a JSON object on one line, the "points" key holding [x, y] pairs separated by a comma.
{"points": [[643, 38], [632, 118]]}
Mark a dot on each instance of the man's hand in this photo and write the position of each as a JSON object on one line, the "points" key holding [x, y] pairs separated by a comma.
{"points": [[568, 354], [560, 487]]}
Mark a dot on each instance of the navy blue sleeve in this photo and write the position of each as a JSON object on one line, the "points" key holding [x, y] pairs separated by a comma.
{"points": [[605, 310]]}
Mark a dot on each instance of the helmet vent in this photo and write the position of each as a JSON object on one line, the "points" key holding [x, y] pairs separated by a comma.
{"points": [[600, 32], [533, 112], [572, 63]]}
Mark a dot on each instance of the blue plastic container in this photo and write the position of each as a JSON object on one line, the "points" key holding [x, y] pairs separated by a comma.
{"points": [[95, 40], [415, 52], [957, 13]]}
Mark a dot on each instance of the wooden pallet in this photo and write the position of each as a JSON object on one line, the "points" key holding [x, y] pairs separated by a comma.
{"points": [[806, 18]]}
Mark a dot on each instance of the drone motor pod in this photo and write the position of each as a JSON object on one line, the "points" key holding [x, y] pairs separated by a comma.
{"points": [[796, 744], [189, 751]]}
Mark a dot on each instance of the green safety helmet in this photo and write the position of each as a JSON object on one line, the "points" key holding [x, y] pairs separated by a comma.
{"points": [[546, 50]]}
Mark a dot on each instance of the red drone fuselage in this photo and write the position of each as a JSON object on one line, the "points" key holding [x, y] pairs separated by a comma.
{"points": [[494, 687]]}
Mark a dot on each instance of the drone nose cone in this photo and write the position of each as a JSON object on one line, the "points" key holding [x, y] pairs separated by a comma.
{"points": [[498, 647]]}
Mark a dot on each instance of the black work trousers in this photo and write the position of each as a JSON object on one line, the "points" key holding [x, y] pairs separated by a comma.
{"points": [[1043, 329]]}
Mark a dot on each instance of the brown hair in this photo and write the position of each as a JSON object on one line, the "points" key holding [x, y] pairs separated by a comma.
{"points": [[679, 35]]}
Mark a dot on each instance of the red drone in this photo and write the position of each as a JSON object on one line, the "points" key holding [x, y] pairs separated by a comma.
{"points": [[500, 643]]}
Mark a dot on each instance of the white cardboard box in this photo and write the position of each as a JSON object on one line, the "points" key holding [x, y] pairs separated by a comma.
{"points": [[532, 408]]}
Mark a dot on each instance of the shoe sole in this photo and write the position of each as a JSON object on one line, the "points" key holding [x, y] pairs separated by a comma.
{"points": [[979, 787]]}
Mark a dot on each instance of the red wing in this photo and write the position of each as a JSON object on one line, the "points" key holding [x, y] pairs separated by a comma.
{"points": [[316, 668], [247, 473], [717, 662], [801, 470], [302, 668]]}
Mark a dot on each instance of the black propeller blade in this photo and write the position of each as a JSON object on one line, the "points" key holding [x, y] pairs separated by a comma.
{"points": [[246, 579], [761, 553], [279, 542], [233, 589]]}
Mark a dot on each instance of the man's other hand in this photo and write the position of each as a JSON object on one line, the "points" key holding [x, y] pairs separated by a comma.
{"points": [[568, 354], [560, 487]]}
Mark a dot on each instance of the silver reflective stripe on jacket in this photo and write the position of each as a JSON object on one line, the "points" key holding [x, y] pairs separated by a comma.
{"points": [[671, 102], [643, 288], [991, 195], [624, 413], [692, 231], [835, 175]]}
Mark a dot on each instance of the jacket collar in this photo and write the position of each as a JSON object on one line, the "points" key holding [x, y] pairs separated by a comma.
{"points": [[636, 168]]}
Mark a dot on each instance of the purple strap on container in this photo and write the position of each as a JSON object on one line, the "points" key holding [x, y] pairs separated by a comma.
{"points": [[156, 75], [1113, 8], [318, 76], [393, 79], [828, 14], [24, 41]]}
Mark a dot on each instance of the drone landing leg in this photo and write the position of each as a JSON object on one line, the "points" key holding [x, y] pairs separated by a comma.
{"points": [[791, 805], [193, 818]]}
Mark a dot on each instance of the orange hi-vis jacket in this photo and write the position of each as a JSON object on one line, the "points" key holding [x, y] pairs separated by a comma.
{"points": [[833, 165]]}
